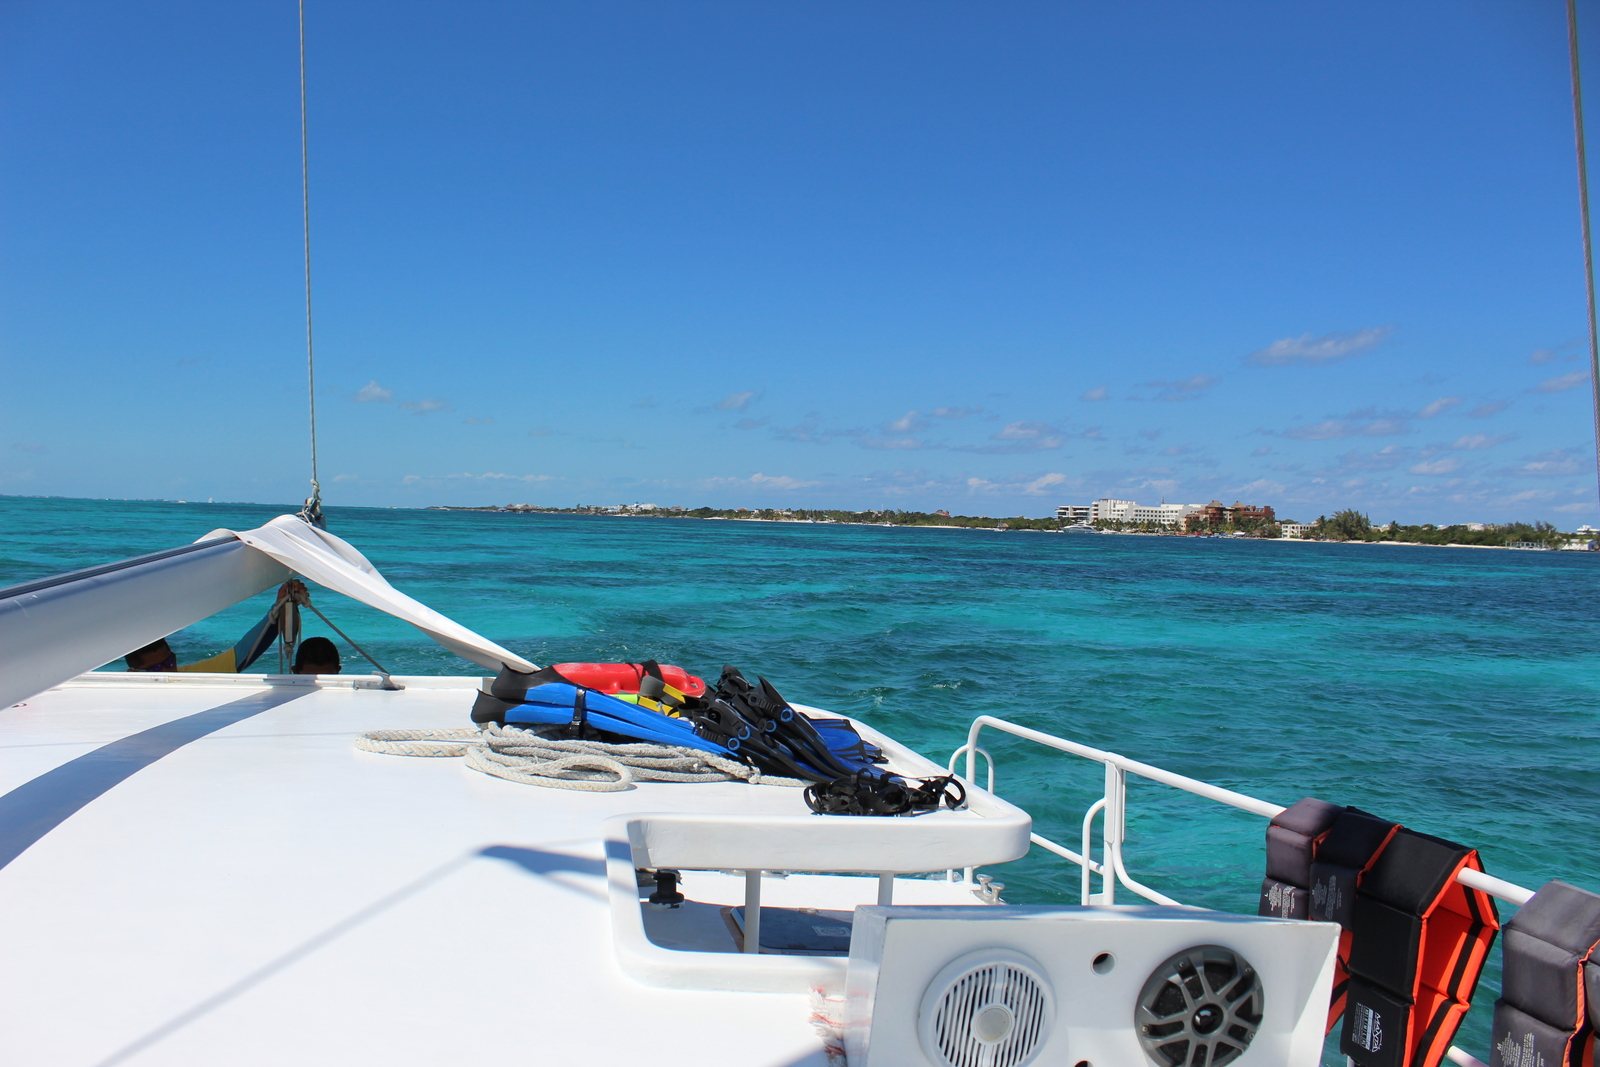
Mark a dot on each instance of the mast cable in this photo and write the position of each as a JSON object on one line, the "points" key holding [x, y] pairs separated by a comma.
{"points": [[1588, 244], [312, 511]]}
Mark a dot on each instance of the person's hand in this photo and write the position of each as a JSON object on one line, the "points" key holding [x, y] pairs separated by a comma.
{"points": [[294, 589]]}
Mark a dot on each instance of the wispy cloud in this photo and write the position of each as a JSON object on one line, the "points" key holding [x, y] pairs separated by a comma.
{"points": [[1563, 383], [1488, 409], [480, 476], [425, 407], [1260, 488], [884, 443], [1438, 407], [1474, 441], [32, 448], [1443, 465], [1180, 388], [738, 401], [1034, 432], [373, 393], [1334, 429], [475, 420], [955, 412], [1045, 483], [905, 423], [1099, 392], [1329, 348], [1386, 458], [760, 481], [1562, 461]]}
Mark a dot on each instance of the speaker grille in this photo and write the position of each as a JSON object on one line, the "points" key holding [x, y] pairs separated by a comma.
{"points": [[1201, 1008], [986, 1010]]}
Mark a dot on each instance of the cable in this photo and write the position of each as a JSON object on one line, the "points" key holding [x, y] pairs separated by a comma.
{"points": [[1588, 244], [312, 511]]}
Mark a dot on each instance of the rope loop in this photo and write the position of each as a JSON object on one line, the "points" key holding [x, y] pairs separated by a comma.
{"points": [[528, 757]]}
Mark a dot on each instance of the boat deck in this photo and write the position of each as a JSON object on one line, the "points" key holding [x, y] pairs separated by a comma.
{"points": [[203, 869]]}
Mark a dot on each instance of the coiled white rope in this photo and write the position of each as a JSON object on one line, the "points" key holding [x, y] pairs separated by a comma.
{"points": [[524, 756]]}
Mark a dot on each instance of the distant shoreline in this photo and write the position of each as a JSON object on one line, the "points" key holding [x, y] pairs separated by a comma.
{"points": [[978, 523]]}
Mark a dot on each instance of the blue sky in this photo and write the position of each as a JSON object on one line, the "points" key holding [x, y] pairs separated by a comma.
{"points": [[989, 258]]}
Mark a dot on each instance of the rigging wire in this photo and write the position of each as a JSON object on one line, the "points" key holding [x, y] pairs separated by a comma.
{"points": [[1588, 244], [312, 511]]}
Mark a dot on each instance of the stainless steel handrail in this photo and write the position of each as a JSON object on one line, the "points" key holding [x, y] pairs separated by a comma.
{"points": [[1111, 807]]}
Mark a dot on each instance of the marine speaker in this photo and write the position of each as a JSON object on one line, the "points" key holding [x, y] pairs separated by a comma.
{"points": [[1200, 1008], [1123, 986], [986, 1009]]}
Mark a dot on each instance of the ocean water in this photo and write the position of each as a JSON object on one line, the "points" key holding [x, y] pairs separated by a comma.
{"points": [[1454, 690]]}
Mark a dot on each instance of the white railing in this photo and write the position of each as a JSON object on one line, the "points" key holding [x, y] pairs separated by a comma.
{"points": [[1111, 810]]}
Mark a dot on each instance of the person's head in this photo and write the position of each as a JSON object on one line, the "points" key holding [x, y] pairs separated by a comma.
{"points": [[156, 656], [316, 655]]}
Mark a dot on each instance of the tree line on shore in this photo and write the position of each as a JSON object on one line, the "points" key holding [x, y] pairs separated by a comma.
{"points": [[1352, 525], [1345, 525]]}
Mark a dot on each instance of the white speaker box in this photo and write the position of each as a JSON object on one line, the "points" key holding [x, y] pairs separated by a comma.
{"points": [[1085, 987]]}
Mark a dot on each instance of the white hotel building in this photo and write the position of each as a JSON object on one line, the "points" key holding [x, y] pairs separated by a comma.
{"points": [[1108, 510]]}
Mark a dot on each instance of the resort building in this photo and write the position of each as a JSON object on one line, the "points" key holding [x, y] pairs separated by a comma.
{"points": [[1172, 516], [1217, 513], [1128, 512], [1293, 530]]}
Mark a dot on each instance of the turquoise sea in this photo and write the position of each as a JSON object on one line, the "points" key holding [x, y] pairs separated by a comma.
{"points": [[1454, 690]]}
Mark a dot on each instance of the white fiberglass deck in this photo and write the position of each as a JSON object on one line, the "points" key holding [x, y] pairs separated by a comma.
{"points": [[204, 870]]}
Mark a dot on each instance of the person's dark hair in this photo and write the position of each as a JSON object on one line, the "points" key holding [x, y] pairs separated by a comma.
{"points": [[316, 650], [139, 658]]}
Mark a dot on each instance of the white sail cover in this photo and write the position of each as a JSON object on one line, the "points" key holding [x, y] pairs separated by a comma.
{"points": [[335, 564]]}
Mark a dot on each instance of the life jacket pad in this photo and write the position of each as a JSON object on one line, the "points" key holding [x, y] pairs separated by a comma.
{"points": [[1520, 1038], [1547, 1000], [1591, 984], [1419, 942], [644, 677], [1292, 837], [1341, 858]]}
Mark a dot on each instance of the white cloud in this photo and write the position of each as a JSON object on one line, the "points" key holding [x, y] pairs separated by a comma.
{"points": [[1445, 465], [1563, 383], [1022, 437], [759, 481], [1332, 429], [737, 401], [905, 423], [890, 444], [373, 393], [470, 476], [1099, 392], [1473, 441], [1181, 388], [1328, 348], [425, 407], [1559, 462], [1443, 404], [1039, 486]]}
